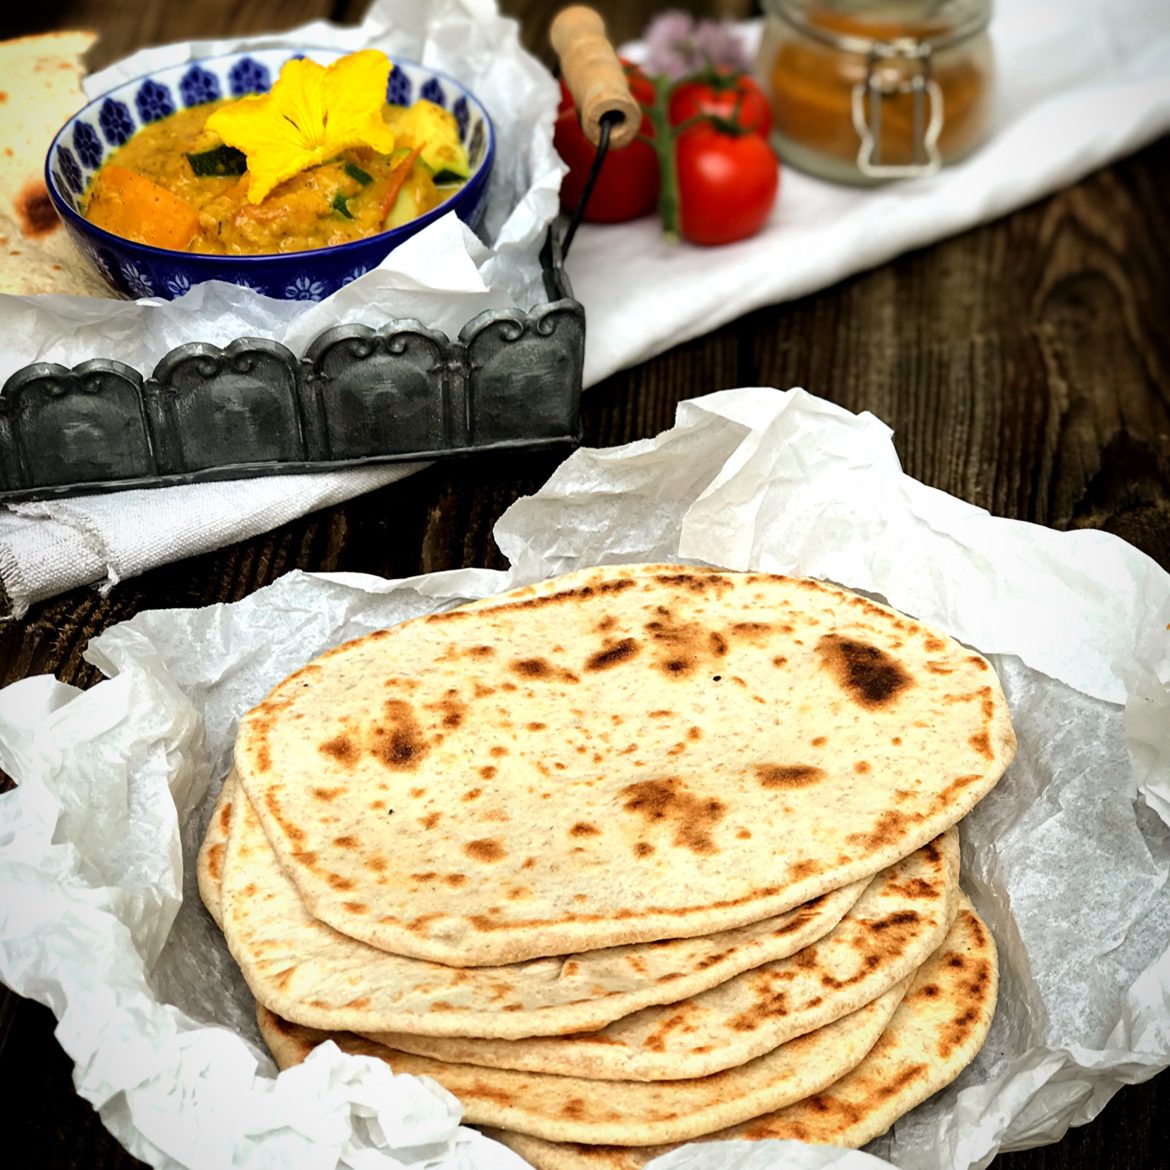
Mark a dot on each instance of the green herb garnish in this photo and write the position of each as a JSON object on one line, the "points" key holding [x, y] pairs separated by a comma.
{"points": [[356, 172], [221, 160], [341, 205], [445, 177]]}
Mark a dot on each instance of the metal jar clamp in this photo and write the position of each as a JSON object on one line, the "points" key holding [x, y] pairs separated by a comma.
{"points": [[882, 82]]}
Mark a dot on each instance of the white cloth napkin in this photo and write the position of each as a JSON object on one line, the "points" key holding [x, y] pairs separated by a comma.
{"points": [[1081, 82]]}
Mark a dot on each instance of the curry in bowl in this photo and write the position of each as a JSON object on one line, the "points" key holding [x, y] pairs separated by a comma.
{"points": [[322, 159]]}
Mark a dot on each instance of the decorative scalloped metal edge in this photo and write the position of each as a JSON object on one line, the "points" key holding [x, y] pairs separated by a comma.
{"points": [[358, 397]]}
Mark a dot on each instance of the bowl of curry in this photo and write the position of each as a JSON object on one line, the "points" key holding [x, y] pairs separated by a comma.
{"points": [[291, 173]]}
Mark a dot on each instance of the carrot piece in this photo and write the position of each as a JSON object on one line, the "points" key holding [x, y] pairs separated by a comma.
{"points": [[397, 178], [131, 205]]}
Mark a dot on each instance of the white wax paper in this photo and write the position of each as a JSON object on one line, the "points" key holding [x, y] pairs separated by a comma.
{"points": [[443, 276], [1067, 859]]}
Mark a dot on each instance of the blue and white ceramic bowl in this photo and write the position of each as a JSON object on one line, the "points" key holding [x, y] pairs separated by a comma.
{"points": [[138, 270]]}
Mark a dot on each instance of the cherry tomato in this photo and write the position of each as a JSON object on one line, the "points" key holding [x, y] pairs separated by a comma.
{"points": [[727, 183], [732, 96], [627, 186]]}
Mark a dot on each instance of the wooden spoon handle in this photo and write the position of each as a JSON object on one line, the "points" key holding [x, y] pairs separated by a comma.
{"points": [[594, 74]]}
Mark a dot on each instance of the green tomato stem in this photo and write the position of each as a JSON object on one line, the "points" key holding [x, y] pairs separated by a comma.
{"points": [[665, 143], [669, 201]]}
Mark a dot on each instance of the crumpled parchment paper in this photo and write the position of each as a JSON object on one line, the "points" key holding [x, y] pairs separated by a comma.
{"points": [[1067, 858]]}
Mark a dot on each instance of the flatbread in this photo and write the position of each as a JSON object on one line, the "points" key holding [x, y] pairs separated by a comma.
{"points": [[571, 1109], [936, 1032], [307, 971], [902, 917], [40, 83], [40, 88], [209, 862], [647, 752], [47, 263]]}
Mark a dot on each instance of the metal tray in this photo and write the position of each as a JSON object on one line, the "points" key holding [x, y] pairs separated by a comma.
{"points": [[358, 396]]}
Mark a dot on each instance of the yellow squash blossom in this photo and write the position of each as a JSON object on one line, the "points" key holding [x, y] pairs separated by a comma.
{"points": [[311, 115]]}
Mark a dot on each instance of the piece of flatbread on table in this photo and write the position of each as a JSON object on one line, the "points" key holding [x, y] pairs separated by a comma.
{"points": [[939, 1027], [307, 971], [46, 263], [639, 752], [40, 89], [566, 1108]]}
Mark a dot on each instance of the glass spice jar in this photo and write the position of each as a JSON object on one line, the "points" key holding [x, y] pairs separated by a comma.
{"points": [[863, 91]]}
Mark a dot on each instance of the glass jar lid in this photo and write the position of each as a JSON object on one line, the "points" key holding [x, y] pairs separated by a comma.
{"points": [[858, 26]]}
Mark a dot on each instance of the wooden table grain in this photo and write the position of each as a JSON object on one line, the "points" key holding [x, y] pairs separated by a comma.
{"points": [[1024, 366]]}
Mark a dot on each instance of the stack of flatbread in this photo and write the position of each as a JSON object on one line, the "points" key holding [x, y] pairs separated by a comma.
{"points": [[638, 856], [39, 91]]}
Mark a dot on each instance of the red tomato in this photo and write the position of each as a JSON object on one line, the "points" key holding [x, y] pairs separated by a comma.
{"points": [[627, 186], [733, 96], [727, 183]]}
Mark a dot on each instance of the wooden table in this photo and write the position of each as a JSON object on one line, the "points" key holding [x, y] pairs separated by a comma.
{"points": [[1024, 366]]}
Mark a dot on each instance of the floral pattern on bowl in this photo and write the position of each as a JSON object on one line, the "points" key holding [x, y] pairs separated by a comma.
{"points": [[138, 270]]}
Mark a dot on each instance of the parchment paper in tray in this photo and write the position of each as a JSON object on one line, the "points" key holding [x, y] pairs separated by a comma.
{"points": [[1068, 858], [444, 276]]}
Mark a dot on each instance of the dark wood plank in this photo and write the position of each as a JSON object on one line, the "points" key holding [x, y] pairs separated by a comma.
{"points": [[128, 25], [1021, 365]]}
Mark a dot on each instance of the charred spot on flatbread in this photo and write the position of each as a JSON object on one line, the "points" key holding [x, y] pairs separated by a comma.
{"points": [[789, 775], [870, 675], [612, 653], [34, 210], [669, 801]]}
